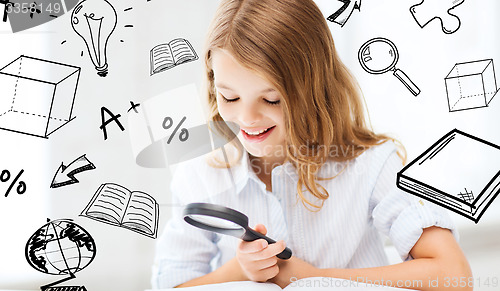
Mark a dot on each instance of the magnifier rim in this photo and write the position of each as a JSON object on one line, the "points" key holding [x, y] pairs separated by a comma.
{"points": [[377, 39], [214, 210]]}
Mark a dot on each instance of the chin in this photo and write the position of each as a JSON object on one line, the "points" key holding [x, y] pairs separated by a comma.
{"points": [[253, 151], [259, 151]]}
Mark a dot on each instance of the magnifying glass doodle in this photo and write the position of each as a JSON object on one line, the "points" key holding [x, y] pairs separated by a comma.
{"points": [[380, 55], [225, 220]]}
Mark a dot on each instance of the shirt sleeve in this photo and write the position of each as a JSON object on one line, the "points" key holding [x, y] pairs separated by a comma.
{"points": [[183, 252], [402, 216]]}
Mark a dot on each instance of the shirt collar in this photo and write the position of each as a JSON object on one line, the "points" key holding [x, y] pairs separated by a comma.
{"points": [[243, 173]]}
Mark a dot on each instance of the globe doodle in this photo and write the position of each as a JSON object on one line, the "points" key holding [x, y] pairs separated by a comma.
{"points": [[60, 247]]}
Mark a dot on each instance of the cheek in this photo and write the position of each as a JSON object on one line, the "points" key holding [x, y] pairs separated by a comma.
{"points": [[223, 110], [278, 117]]}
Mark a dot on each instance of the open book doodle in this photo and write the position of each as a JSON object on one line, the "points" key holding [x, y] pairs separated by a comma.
{"points": [[168, 55], [459, 172], [116, 205]]}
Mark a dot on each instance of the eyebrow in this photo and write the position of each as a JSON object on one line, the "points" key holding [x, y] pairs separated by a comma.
{"points": [[222, 86]]}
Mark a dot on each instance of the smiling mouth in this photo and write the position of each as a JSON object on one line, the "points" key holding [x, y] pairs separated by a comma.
{"points": [[258, 133], [257, 136]]}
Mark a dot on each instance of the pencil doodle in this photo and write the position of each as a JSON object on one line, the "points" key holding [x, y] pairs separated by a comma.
{"points": [[168, 55], [459, 172], [471, 85], [380, 55], [37, 95], [342, 15], [94, 21], [428, 10], [60, 247], [116, 205], [65, 175]]}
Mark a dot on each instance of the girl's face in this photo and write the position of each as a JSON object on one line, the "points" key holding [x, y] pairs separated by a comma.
{"points": [[251, 102]]}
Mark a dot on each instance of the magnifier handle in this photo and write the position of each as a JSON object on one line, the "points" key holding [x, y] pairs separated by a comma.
{"points": [[251, 235], [407, 82]]}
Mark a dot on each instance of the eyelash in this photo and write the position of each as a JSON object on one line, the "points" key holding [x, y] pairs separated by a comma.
{"points": [[277, 102]]}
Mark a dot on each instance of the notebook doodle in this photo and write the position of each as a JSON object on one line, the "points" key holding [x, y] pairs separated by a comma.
{"points": [[459, 172]]}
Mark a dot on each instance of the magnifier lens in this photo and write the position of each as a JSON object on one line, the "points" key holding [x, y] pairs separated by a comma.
{"points": [[225, 220], [379, 57], [215, 222]]}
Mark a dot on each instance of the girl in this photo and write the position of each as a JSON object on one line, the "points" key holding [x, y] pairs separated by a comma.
{"points": [[308, 169]]}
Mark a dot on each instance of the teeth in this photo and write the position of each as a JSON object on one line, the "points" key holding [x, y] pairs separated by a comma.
{"points": [[255, 132]]}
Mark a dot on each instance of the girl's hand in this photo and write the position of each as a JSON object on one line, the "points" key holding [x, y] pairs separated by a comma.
{"points": [[258, 259], [293, 269]]}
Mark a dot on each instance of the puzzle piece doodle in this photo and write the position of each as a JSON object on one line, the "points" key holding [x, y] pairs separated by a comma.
{"points": [[424, 13]]}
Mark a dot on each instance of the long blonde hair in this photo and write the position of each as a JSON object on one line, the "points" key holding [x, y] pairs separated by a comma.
{"points": [[288, 42]]}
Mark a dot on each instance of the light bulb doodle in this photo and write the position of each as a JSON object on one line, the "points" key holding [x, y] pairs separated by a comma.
{"points": [[95, 21]]}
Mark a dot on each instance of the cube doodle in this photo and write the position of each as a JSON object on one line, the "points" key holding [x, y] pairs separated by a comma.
{"points": [[36, 96], [471, 85]]}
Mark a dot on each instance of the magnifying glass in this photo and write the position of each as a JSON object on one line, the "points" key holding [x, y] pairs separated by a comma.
{"points": [[225, 220], [380, 55]]}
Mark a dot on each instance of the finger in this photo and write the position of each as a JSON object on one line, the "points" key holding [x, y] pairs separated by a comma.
{"points": [[263, 264], [249, 247], [261, 228], [268, 273], [270, 251], [273, 249]]}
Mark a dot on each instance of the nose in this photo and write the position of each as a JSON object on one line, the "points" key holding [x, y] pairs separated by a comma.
{"points": [[249, 115]]}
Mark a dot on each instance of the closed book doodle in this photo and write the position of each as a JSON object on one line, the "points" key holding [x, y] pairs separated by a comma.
{"points": [[459, 172]]}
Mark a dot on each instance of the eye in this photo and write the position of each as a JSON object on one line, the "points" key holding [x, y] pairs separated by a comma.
{"points": [[277, 102], [228, 100]]}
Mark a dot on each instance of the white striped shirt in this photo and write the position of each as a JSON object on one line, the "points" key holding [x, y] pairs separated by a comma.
{"points": [[364, 201]]}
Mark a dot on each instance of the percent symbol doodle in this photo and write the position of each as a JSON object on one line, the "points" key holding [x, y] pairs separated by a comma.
{"points": [[168, 123], [21, 187]]}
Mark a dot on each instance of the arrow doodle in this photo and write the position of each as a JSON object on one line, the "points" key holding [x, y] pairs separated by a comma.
{"points": [[343, 13], [65, 175]]}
